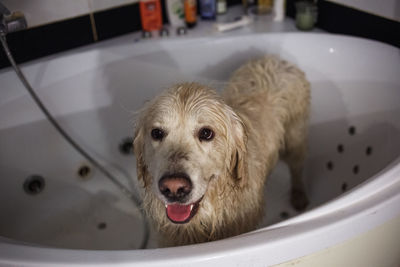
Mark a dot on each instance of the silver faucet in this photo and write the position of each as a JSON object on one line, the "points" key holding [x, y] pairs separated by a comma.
{"points": [[11, 22]]}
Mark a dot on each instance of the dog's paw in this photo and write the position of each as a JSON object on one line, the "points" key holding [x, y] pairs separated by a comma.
{"points": [[299, 200]]}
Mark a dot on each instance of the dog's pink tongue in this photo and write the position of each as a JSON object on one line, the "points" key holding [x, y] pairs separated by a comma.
{"points": [[178, 213]]}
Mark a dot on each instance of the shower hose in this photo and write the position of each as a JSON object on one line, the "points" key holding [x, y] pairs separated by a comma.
{"points": [[74, 144]]}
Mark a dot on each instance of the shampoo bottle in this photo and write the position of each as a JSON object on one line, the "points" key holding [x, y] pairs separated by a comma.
{"points": [[190, 7], [208, 9], [150, 15]]}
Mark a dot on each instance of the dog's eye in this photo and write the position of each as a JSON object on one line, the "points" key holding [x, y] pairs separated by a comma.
{"points": [[157, 134], [206, 134]]}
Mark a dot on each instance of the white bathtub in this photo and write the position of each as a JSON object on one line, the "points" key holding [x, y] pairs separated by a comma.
{"points": [[352, 174]]}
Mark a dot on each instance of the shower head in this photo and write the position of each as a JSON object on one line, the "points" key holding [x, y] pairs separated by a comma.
{"points": [[11, 22]]}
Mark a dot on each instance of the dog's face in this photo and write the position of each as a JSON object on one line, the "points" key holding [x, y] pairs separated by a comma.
{"points": [[184, 139]]}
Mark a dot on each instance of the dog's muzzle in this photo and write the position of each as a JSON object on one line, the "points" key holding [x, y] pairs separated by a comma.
{"points": [[176, 188]]}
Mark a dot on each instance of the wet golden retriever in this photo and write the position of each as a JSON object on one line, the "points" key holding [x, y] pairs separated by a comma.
{"points": [[203, 159]]}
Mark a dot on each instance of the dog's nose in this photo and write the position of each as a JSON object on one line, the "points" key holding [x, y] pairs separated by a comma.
{"points": [[175, 187]]}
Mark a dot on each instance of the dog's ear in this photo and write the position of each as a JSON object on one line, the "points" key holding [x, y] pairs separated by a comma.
{"points": [[138, 149], [238, 161]]}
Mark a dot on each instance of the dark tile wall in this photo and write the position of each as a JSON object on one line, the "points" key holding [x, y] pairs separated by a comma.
{"points": [[48, 39], [71, 33], [114, 22], [60, 36], [336, 18]]}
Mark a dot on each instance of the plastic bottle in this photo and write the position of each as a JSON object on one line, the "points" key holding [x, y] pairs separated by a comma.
{"points": [[221, 6], [190, 13], [150, 15], [208, 9], [248, 5], [176, 14], [264, 6], [279, 10]]}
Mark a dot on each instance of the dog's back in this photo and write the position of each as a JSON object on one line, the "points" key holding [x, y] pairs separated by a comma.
{"points": [[271, 82], [272, 96]]}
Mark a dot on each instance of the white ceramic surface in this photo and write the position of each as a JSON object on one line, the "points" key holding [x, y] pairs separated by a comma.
{"points": [[94, 92]]}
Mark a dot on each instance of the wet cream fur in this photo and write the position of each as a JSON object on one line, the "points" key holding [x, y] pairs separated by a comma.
{"points": [[262, 115]]}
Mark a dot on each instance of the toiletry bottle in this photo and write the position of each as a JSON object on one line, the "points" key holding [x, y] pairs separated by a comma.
{"points": [[221, 7], [190, 13], [208, 9], [150, 15], [176, 14], [279, 10], [247, 5], [264, 6], [306, 15]]}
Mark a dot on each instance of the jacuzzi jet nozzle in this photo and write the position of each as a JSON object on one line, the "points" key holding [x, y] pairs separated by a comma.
{"points": [[34, 184]]}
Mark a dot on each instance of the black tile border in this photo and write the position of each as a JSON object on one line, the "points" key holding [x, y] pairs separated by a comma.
{"points": [[60, 36], [48, 39], [117, 21], [340, 19], [336, 18], [71, 33]]}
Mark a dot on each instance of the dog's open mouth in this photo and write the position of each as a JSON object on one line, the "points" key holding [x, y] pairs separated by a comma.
{"points": [[179, 213]]}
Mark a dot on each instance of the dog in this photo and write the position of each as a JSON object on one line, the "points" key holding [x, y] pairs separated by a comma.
{"points": [[203, 158]]}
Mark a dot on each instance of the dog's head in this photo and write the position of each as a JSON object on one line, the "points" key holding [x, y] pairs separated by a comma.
{"points": [[184, 139]]}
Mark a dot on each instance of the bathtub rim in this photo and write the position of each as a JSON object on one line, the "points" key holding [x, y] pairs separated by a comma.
{"points": [[378, 187], [131, 41]]}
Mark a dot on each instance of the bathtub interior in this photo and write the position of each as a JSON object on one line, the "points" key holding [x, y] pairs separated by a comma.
{"points": [[94, 92]]}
